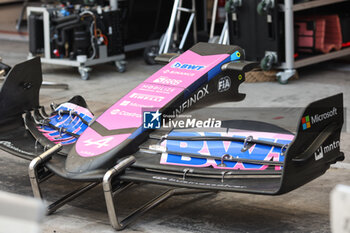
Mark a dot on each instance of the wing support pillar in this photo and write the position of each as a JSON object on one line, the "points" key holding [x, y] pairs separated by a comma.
{"points": [[37, 175], [111, 195]]}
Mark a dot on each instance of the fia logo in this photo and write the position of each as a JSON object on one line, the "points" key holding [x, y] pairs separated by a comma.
{"points": [[319, 153], [224, 84], [151, 120]]}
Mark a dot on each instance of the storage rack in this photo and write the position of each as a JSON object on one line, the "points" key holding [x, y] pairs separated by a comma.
{"points": [[83, 66], [290, 63]]}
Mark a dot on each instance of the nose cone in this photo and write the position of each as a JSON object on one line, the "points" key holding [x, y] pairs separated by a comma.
{"points": [[93, 151], [77, 164]]}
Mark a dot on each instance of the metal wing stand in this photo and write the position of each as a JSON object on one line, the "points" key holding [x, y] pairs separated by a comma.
{"points": [[4, 69]]}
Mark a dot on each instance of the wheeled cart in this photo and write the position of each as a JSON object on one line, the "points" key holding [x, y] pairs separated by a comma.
{"points": [[83, 63], [265, 28], [290, 63]]}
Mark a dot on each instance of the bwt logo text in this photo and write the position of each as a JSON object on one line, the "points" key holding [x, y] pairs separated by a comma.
{"points": [[187, 66]]}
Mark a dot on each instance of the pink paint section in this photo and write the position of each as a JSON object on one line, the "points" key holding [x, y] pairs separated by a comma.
{"points": [[152, 94], [119, 117], [155, 92], [78, 109], [127, 112], [183, 144], [226, 145], [178, 77], [238, 166], [92, 144], [204, 150], [251, 149]]}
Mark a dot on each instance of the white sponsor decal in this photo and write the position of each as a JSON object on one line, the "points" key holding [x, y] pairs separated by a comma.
{"points": [[174, 180], [125, 113], [174, 72], [192, 100], [167, 81], [98, 143], [224, 84], [331, 146], [11, 146], [157, 88], [320, 117], [326, 149], [140, 96], [319, 154], [133, 104], [125, 103]]}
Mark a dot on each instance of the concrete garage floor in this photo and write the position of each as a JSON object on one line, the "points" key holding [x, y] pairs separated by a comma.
{"points": [[303, 210]]}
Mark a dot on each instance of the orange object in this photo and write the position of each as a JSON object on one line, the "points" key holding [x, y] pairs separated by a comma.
{"points": [[319, 33]]}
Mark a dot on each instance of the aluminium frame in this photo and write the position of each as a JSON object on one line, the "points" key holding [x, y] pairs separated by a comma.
{"points": [[110, 189]]}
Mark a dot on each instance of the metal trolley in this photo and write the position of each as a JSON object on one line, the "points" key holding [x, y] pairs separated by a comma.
{"points": [[83, 65], [290, 63], [265, 28]]}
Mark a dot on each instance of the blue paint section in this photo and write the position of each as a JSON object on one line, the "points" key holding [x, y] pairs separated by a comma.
{"points": [[194, 86], [192, 147], [217, 69], [185, 146], [235, 56], [137, 132], [217, 148], [70, 123], [175, 159]]}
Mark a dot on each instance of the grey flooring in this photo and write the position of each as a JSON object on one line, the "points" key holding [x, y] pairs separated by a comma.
{"points": [[303, 210]]}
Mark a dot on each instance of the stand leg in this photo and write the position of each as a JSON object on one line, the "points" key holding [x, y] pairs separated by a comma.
{"points": [[110, 196], [289, 43], [170, 28], [35, 180], [33, 169]]}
